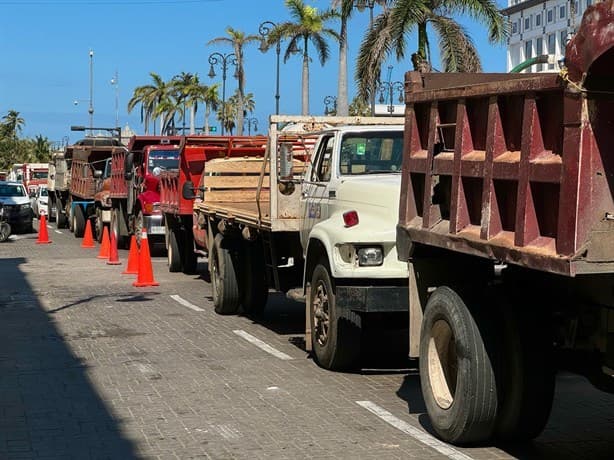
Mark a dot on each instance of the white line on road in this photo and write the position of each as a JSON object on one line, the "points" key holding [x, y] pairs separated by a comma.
{"points": [[185, 303], [263, 346], [414, 432], [58, 231]]}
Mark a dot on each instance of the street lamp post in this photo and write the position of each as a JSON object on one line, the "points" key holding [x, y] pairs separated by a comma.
{"points": [[90, 109], [115, 84], [264, 30], [251, 123], [330, 105], [117, 130], [223, 60], [390, 87]]}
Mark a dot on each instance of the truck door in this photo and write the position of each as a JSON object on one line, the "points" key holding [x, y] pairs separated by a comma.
{"points": [[314, 190]]}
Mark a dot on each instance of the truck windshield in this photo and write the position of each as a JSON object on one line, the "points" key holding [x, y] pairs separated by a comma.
{"points": [[163, 159], [39, 174], [12, 190], [371, 153]]}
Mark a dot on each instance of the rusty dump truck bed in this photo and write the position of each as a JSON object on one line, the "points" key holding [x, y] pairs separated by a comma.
{"points": [[518, 168], [85, 160]]}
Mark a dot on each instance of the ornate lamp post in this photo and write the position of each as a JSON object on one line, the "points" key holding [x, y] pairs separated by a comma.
{"points": [[223, 60], [388, 88], [251, 123], [330, 105], [264, 30]]}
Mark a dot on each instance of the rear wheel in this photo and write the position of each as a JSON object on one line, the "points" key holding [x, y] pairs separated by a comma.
{"points": [[189, 257], [173, 252], [335, 333], [98, 225], [458, 359], [122, 240], [78, 222], [223, 276], [5, 231], [254, 288], [60, 218], [71, 217]]}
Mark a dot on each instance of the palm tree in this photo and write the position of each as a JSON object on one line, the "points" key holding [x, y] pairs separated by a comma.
{"points": [[185, 88], [227, 113], [42, 147], [237, 40], [209, 95], [456, 49], [149, 96], [12, 124], [309, 26]]}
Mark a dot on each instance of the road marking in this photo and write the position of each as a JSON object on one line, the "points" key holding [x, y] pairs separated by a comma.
{"points": [[49, 227], [58, 231], [263, 346], [185, 303], [414, 432]]}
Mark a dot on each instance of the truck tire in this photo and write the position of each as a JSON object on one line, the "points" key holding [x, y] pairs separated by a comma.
{"points": [[5, 231], [98, 225], [173, 252], [189, 259], [78, 222], [335, 334], [60, 218], [254, 287], [122, 240], [527, 373], [457, 369], [223, 277], [71, 218]]}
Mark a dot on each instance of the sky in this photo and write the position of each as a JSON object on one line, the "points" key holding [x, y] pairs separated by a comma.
{"points": [[45, 45]]}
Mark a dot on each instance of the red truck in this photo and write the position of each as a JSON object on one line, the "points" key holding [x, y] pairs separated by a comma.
{"points": [[184, 236], [135, 187], [506, 220]]}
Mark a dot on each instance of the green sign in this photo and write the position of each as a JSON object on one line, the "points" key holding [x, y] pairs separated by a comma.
{"points": [[213, 129]]}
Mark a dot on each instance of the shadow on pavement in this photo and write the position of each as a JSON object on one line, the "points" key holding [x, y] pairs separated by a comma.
{"points": [[48, 406]]}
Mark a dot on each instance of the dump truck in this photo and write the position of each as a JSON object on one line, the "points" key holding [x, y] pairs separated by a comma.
{"points": [[313, 214], [506, 221], [194, 153], [135, 187], [88, 196]]}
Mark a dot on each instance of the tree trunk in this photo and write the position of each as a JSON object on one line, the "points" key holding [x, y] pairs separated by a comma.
{"points": [[192, 119], [207, 112], [342, 83], [305, 82]]}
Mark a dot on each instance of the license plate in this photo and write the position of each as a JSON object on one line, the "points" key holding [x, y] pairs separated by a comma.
{"points": [[157, 230]]}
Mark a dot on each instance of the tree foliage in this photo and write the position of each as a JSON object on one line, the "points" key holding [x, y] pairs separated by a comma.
{"points": [[14, 149]]}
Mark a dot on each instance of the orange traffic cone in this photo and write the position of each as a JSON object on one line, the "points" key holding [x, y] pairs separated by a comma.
{"points": [[132, 268], [88, 239], [43, 235], [113, 255], [145, 275], [105, 246]]}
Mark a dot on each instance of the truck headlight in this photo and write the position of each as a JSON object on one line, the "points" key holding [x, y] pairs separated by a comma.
{"points": [[370, 257], [25, 206]]}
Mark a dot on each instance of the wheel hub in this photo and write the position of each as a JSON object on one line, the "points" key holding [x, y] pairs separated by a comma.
{"points": [[442, 363], [321, 314]]}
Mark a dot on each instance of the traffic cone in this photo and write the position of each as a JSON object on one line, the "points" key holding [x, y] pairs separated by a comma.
{"points": [[105, 246], [132, 268], [88, 239], [113, 255], [145, 274], [43, 235]]}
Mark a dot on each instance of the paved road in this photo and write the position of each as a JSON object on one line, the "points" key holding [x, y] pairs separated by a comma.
{"points": [[91, 367]]}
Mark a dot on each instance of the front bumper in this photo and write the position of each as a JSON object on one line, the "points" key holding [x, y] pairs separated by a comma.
{"points": [[18, 218], [370, 299], [154, 225]]}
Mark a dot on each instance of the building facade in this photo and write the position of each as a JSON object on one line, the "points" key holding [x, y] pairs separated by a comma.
{"points": [[541, 27]]}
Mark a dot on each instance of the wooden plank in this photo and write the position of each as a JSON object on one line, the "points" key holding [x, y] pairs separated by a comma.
{"points": [[241, 166], [231, 182], [233, 196]]}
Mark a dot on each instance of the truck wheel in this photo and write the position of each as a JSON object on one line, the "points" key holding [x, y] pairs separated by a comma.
{"points": [[189, 257], [173, 252], [122, 240], [78, 222], [255, 290], [60, 219], [223, 277], [457, 369], [527, 374], [98, 225], [5, 231], [71, 218], [335, 334]]}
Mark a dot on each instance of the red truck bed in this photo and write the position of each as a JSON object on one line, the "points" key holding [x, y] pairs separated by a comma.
{"points": [[85, 160], [518, 168], [194, 152]]}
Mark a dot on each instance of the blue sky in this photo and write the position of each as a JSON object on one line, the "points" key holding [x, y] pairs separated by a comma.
{"points": [[44, 45]]}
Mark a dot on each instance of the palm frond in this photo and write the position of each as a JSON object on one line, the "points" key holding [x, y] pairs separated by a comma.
{"points": [[458, 53]]}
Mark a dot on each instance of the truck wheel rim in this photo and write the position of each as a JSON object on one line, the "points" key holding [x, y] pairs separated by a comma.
{"points": [[138, 227], [214, 275], [321, 315], [442, 363]]}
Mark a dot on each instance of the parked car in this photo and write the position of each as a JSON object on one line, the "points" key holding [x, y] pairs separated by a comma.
{"points": [[40, 202], [17, 207]]}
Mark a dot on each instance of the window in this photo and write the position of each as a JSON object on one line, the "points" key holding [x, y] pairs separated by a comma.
{"points": [[562, 11], [538, 20], [371, 153], [550, 16], [527, 23], [589, 3], [528, 49], [563, 40], [323, 171], [539, 50], [551, 48], [514, 27]]}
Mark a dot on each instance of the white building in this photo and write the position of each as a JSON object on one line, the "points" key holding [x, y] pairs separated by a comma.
{"points": [[541, 27]]}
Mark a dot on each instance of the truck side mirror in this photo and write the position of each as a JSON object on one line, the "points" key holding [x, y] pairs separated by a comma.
{"points": [[97, 173], [286, 165], [187, 191], [128, 164]]}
